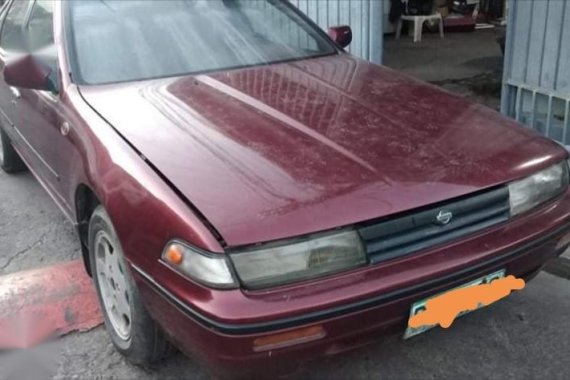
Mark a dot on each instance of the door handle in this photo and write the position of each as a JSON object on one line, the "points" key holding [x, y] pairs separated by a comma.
{"points": [[16, 92]]}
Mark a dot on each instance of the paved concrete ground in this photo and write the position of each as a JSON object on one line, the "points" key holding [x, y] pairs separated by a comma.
{"points": [[33, 232], [457, 56], [469, 64]]}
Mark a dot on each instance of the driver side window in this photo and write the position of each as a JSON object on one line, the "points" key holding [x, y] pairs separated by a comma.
{"points": [[12, 36], [36, 34], [40, 25]]}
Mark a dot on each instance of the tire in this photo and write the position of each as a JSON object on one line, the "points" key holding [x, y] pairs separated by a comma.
{"points": [[132, 330], [10, 161]]}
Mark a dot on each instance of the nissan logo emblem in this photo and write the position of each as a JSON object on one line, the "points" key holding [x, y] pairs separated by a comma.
{"points": [[444, 217]]}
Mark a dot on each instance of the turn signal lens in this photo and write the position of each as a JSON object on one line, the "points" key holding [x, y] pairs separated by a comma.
{"points": [[290, 338], [174, 254], [210, 269]]}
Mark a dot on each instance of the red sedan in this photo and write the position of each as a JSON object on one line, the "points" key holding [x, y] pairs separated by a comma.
{"points": [[249, 192]]}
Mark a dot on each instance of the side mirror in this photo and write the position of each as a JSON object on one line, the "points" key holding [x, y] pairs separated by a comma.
{"points": [[28, 72], [342, 35]]}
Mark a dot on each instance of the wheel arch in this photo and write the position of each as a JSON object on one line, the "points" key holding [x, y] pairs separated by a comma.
{"points": [[86, 201]]}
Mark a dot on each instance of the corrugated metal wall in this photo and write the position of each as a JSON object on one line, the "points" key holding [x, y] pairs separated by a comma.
{"points": [[536, 79], [365, 17]]}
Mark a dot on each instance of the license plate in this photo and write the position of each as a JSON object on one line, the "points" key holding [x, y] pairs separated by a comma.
{"points": [[420, 306]]}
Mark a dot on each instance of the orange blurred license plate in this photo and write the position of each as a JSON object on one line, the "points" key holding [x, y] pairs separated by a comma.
{"points": [[420, 306]]}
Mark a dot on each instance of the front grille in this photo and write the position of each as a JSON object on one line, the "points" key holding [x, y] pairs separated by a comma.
{"points": [[420, 230]]}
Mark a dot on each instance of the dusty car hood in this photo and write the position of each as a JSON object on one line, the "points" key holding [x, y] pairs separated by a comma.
{"points": [[288, 149]]}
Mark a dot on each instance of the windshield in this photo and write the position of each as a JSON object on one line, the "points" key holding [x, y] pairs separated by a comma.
{"points": [[128, 40]]}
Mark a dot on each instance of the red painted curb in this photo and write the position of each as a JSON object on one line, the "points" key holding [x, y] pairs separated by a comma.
{"points": [[45, 303]]}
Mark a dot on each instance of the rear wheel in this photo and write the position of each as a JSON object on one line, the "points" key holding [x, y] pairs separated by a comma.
{"points": [[10, 161], [129, 325]]}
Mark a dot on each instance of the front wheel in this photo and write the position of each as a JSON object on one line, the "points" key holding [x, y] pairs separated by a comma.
{"points": [[129, 325], [10, 161]]}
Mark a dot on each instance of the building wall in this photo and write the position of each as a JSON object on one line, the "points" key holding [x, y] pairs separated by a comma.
{"points": [[365, 17], [536, 82]]}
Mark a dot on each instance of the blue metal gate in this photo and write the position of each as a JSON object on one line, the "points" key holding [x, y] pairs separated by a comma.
{"points": [[536, 81]]}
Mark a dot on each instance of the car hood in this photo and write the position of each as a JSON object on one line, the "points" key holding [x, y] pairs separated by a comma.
{"points": [[288, 149]]}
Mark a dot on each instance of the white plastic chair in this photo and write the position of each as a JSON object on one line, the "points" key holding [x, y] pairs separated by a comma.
{"points": [[419, 23]]}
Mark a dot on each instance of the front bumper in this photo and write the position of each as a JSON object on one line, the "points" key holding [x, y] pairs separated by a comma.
{"points": [[353, 308]]}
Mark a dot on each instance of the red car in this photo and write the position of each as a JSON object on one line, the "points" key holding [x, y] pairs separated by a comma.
{"points": [[246, 190]]}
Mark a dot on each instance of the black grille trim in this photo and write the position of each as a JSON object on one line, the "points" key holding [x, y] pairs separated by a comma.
{"points": [[420, 230]]}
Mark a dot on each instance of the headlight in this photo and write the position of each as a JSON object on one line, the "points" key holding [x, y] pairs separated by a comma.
{"points": [[536, 189], [210, 269], [285, 263]]}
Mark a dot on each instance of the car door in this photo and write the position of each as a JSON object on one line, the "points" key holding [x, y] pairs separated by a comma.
{"points": [[38, 116], [13, 18]]}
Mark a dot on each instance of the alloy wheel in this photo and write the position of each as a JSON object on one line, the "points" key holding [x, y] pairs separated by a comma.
{"points": [[113, 284]]}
